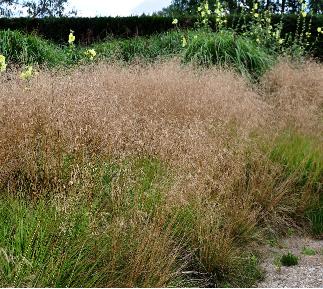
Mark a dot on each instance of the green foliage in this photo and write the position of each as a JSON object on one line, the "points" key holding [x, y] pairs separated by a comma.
{"points": [[229, 50], [96, 241], [164, 45], [302, 158], [28, 49], [308, 251], [290, 232], [225, 49], [89, 30], [180, 7], [315, 216], [43, 247], [204, 48], [301, 154], [289, 259], [48, 243]]}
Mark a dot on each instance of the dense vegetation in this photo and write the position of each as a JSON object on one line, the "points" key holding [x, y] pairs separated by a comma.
{"points": [[162, 160]]}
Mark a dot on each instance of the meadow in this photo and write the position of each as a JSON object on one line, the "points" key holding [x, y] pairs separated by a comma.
{"points": [[160, 162]]}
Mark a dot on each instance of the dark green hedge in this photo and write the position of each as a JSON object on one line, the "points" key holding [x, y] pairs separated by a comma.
{"points": [[89, 30]]}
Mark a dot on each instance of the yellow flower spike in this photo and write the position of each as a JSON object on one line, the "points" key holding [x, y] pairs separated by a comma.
{"points": [[184, 42], [71, 38], [255, 6], [203, 13], [27, 74], [280, 41], [3, 64], [175, 21], [304, 14], [206, 6], [256, 15], [199, 9], [319, 29], [90, 53]]}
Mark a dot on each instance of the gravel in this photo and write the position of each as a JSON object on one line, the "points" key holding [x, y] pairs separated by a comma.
{"points": [[308, 273]]}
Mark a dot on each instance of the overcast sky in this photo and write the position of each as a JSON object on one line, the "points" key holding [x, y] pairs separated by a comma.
{"points": [[91, 8]]}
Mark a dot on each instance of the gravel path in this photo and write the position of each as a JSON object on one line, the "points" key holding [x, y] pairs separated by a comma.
{"points": [[308, 272]]}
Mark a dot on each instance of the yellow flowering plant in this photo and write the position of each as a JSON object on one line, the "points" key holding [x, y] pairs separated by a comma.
{"points": [[175, 21], [255, 22], [184, 42], [204, 12], [3, 65], [220, 15], [71, 38], [27, 73], [90, 53]]}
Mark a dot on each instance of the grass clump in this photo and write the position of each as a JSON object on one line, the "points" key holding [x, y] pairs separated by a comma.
{"points": [[315, 216], [228, 49], [26, 49], [45, 247], [303, 154], [289, 259], [308, 251]]}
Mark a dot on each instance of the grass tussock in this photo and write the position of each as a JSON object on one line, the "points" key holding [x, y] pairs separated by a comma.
{"points": [[20, 48], [153, 175]]}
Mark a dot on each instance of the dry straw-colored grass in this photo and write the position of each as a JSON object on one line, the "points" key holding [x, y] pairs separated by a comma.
{"points": [[208, 127]]}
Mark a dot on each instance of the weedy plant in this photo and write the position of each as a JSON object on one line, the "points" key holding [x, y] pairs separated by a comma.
{"points": [[256, 25], [308, 251], [289, 259], [3, 64]]}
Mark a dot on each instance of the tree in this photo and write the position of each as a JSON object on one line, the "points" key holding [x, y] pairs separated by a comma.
{"points": [[189, 7], [316, 6], [6, 7], [35, 8], [293, 6], [42, 8]]}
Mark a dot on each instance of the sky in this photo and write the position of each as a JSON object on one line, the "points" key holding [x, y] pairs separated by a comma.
{"points": [[92, 8]]}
